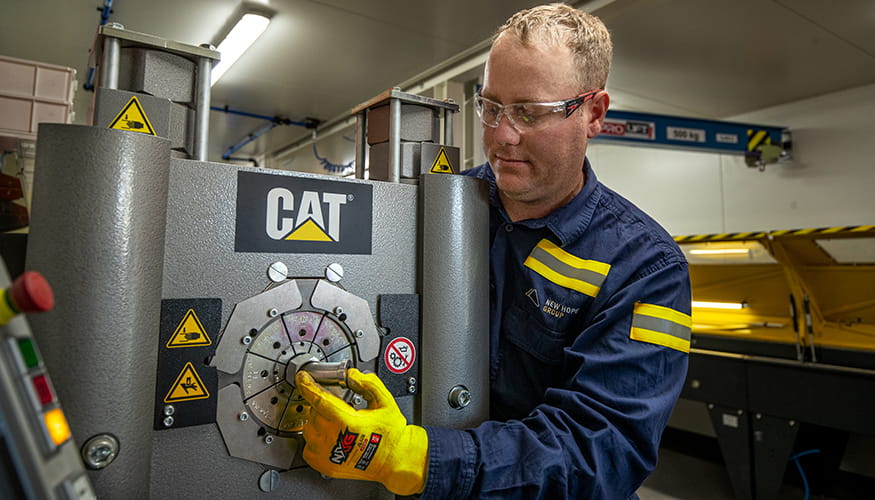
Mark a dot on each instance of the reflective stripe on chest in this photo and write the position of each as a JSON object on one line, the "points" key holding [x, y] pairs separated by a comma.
{"points": [[566, 270]]}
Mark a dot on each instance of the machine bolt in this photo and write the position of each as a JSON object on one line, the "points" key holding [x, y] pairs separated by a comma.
{"points": [[168, 421], [356, 400], [100, 451], [277, 272], [459, 397], [334, 272], [207, 46], [169, 410], [792, 423], [359, 333], [695, 384], [411, 381], [411, 389], [710, 406], [118, 26], [759, 416], [273, 312], [338, 311], [740, 412], [268, 439], [243, 416], [246, 340], [269, 481]]}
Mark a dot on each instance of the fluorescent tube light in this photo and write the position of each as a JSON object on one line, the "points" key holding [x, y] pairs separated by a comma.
{"points": [[720, 251], [238, 40], [719, 305]]}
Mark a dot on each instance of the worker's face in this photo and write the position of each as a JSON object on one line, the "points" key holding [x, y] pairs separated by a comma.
{"points": [[537, 171]]}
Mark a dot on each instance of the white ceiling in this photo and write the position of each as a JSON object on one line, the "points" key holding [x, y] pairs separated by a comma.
{"points": [[319, 58]]}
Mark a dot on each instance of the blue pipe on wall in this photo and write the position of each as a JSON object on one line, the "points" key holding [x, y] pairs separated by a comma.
{"points": [[105, 11], [307, 123], [274, 121], [251, 137]]}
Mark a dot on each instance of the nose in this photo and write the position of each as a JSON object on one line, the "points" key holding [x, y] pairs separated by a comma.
{"points": [[505, 132]]}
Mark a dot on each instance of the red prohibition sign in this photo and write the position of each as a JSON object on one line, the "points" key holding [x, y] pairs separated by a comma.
{"points": [[399, 355]]}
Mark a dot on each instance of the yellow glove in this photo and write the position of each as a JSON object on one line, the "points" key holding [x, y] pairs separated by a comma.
{"points": [[374, 444]]}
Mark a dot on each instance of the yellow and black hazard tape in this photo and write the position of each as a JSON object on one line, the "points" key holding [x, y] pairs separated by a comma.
{"points": [[837, 231], [756, 138]]}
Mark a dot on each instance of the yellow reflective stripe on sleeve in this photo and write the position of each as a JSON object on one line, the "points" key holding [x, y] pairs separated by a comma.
{"points": [[662, 326], [566, 270], [665, 313]]}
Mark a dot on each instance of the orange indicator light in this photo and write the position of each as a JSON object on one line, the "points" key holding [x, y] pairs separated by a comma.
{"points": [[57, 426]]}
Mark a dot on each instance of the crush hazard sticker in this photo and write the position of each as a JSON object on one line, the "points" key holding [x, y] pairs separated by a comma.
{"points": [[189, 333], [399, 355], [133, 118], [188, 386], [441, 164]]}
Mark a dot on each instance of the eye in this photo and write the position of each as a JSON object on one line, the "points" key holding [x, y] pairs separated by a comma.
{"points": [[527, 114], [488, 109]]}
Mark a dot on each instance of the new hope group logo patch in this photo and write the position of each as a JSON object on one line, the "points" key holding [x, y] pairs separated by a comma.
{"points": [[283, 214]]}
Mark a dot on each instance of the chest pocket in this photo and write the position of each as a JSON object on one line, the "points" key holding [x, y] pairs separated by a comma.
{"points": [[562, 286], [533, 337]]}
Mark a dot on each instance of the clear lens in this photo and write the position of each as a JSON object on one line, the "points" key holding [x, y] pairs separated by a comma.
{"points": [[524, 117]]}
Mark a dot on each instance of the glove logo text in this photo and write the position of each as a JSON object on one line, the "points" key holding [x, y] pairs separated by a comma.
{"points": [[370, 451], [345, 443]]}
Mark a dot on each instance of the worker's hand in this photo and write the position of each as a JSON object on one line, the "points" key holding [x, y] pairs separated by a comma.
{"points": [[373, 444]]}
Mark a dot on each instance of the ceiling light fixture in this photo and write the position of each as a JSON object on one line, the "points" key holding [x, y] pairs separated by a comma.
{"points": [[720, 305], [720, 251], [238, 40]]}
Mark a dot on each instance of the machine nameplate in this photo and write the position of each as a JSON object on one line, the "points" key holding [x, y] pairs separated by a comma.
{"points": [[286, 214]]}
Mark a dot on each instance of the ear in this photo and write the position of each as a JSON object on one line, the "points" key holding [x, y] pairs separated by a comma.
{"points": [[597, 114]]}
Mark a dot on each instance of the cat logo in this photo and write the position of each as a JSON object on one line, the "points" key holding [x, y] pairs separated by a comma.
{"points": [[281, 213], [310, 223]]}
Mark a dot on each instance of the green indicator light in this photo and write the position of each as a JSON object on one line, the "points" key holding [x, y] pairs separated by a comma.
{"points": [[28, 352]]}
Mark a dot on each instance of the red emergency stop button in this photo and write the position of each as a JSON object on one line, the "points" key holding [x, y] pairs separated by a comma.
{"points": [[31, 293]]}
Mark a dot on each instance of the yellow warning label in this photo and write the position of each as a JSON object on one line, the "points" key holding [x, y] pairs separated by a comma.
{"points": [[133, 118], [189, 333], [309, 231], [441, 164], [188, 386]]}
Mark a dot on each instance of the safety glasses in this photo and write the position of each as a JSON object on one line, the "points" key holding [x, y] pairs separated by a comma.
{"points": [[529, 116]]}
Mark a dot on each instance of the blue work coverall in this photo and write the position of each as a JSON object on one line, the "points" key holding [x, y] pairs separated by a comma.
{"points": [[589, 339]]}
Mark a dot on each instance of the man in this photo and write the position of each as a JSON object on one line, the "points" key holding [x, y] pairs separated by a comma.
{"points": [[590, 301]]}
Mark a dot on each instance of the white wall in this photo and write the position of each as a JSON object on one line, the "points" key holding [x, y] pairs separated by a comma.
{"points": [[829, 182], [337, 149]]}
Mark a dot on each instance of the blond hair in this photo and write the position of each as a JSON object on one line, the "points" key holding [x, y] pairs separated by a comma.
{"points": [[558, 24]]}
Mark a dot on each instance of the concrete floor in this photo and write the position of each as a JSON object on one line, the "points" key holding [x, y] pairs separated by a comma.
{"points": [[697, 473], [684, 477]]}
